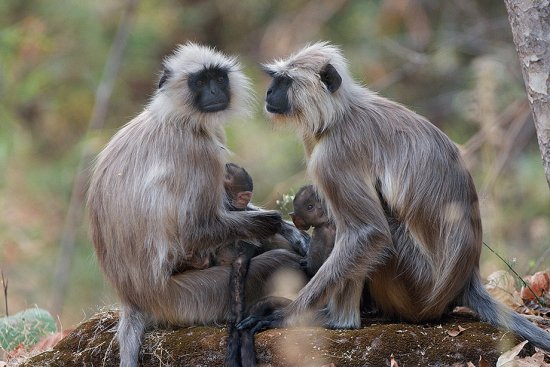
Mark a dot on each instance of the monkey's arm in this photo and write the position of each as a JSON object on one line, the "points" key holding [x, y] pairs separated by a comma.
{"points": [[230, 226], [363, 242], [298, 240]]}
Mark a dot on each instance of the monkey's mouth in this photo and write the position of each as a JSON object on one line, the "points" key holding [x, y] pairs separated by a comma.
{"points": [[276, 109], [215, 107]]}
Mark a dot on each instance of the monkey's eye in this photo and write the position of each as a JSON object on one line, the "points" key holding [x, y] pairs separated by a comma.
{"points": [[309, 207], [221, 79], [200, 83]]}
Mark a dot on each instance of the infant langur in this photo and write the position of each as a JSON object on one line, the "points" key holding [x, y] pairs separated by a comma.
{"points": [[238, 187], [310, 212]]}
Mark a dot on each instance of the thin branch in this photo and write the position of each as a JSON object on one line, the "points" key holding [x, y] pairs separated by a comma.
{"points": [[75, 212], [539, 301], [5, 286]]}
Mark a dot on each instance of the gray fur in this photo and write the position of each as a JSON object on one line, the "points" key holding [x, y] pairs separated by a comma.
{"points": [[405, 207], [157, 194]]}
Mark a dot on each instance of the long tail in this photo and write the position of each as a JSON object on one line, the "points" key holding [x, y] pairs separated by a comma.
{"points": [[491, 311]]}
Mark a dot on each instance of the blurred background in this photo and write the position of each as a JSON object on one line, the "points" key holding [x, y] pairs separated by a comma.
{"points": [[452, 61]]}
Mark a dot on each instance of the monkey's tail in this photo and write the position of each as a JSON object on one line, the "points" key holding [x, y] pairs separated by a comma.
{"points": [[479, 300]]}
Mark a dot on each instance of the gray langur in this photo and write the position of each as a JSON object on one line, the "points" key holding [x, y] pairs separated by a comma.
{"points": [[405, 207], [157, 195]]}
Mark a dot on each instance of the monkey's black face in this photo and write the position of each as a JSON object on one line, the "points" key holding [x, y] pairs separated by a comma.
{"points": [[276, 100], [210, 88]]}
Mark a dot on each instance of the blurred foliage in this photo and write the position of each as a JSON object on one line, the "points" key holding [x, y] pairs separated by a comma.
{"points": [[453, 62], [25, 328]]}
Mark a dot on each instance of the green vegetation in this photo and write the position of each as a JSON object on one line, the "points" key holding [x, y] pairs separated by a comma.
{"points": [[25, 328]]}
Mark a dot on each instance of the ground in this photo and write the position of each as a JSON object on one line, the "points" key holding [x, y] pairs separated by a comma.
{"points": [[454, 341]]}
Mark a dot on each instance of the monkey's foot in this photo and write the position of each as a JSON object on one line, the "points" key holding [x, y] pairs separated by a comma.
{"points": [[267, 313], [257, 323]]}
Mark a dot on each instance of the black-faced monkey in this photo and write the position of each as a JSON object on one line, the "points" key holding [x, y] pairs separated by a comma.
{"points": [[405, 207], [157, 195]]}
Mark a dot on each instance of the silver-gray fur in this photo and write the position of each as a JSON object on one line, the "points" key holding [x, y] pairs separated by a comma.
{"points": [[405, 207], [157, 194]]}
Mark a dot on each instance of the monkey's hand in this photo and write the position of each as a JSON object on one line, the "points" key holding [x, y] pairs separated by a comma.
{"points": [[267, 313], [263, 224], [298, 240]]}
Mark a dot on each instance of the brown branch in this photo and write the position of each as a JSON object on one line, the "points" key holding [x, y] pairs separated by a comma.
{"points": [[5, 287], [75, 211]]}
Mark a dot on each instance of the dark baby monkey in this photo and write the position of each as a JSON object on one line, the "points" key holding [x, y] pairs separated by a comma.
{"points": [[310, 212]]}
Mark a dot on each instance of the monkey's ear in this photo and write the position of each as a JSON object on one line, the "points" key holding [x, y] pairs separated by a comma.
{"points": [[331, 78], [243, 199], [166, 73]]}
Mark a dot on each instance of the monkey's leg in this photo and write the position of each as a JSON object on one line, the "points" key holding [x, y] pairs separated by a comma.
{"points": [[235, 347], [131, 327], [197, 297], [355, 256], [343, 308]]}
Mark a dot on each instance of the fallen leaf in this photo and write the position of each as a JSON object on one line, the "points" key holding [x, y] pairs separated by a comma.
{"points": [[470, 364], [393, 363], [454, 333], [502, 286], [537, 360], [539, 283], [483, 362], [508, 359]]}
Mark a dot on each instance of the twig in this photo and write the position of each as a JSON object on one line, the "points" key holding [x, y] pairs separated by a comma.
{"points": [[97, 120], [539, 301], [5, 286]]}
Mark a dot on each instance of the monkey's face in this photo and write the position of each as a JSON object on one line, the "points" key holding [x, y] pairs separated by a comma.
{"points": [[304, 87], [308, 210], [200, 79], [210, 89]]}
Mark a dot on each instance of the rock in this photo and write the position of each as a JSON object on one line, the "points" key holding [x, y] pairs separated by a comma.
{"points": [[93, 343]]}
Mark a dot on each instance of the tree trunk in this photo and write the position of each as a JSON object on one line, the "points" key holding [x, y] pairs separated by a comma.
{"points": [[530, 22]]}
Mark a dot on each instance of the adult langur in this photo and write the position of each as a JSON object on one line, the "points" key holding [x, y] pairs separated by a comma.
{"points": [[405, 207]]}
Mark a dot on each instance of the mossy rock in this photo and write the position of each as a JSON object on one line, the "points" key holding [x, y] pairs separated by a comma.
{"points": [[93, 343]]}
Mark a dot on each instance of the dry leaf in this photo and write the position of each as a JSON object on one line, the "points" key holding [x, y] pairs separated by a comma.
{"points": [[470, 364], [539, 283], [483, 362], [454, 333], [502, 287], [393, 363], [508, 359], [537, 360]]}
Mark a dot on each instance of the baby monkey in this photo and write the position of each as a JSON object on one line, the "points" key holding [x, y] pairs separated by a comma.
{"points": [[238, 186], [310, 212]]}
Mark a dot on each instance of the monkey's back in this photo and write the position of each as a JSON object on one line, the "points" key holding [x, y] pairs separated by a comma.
{"points": [[422, 183], [141, 199]]}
